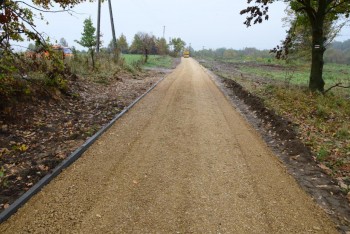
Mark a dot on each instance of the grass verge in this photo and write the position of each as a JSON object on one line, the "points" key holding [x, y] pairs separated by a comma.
{"points": [[153, 60], [323, 120]]}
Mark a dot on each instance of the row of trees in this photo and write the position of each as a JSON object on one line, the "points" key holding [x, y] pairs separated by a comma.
{"points": [[224, 53], [143, 43], [337, 52], [17, 19], [17, 24]]}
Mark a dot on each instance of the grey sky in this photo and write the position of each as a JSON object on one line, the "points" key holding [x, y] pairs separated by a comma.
{"points": [[211, 24]]}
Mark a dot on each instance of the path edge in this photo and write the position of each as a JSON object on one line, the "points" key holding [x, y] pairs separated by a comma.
{"points": [[18, 203]]}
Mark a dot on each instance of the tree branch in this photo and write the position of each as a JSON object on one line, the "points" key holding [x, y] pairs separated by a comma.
{"points": [[302, 2], [335, 5], [340, 85], [41, 10]]}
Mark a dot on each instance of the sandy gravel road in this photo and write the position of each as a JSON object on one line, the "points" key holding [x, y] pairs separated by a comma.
{"points": [[181, 161]]}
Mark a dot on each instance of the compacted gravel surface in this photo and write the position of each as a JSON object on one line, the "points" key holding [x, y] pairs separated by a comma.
{"points": [[182, 160]]}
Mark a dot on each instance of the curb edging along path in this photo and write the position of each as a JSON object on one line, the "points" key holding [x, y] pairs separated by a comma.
{"points": [[6, 214]]}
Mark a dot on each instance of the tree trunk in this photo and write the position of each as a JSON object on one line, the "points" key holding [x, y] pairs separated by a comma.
{"points": [[93, 59], [146, 55], [316, 82]]}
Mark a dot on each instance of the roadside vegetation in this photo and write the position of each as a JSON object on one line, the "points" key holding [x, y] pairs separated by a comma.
{"points": [[53, 97], [323, 120], [312, 27], [43, 81], [53, 103]]}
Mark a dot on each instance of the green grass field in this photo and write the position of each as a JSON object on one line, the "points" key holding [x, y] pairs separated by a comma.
{"points": [[153, 60], [296, 73]]}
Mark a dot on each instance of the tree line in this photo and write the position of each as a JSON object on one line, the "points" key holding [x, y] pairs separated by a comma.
{"points": [[143, 43], [337, 52], [148, 44], [17, 24]]}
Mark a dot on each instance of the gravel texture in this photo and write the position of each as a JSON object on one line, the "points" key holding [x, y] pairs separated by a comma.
{"points": [[181, 161]]}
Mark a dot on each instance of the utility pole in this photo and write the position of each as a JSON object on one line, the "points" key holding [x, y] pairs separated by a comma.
{"points": [[112, 24], [98, 26], [164, 32]]}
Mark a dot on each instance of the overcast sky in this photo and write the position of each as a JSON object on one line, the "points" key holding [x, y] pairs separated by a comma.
{"points": [[203, 23]]}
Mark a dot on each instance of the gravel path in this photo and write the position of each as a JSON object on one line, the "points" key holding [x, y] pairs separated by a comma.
{"points": [[181, 161]]}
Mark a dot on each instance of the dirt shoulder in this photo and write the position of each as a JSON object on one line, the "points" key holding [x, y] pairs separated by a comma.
{"points": [[181, 161], [281, 136], [37, 134]]}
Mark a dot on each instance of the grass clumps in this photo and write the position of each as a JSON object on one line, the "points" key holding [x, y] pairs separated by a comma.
{"points": [[323, 123]]}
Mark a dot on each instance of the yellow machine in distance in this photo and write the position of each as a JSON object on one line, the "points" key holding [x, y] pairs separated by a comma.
{"points": [[186, 54]]}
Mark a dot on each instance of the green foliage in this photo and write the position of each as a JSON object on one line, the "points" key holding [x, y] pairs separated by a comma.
{"points": [[229, 54], [322, 154], [133, 62], [343, 133], [2, 172], [105, 65], [338, 52], [317, 16], [17, 24], [136, 45], [296, 73], [57, 82], [178, 45], [88, 38], [92, 130], [162, 46], [136, 61], [122, 44], [145, 44], [247, 54], [3, 180], [17, 19], [332, 9], [130, 58], [108, 68], [160, 61], [323, 121]]}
